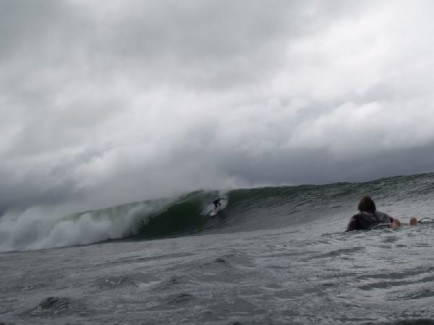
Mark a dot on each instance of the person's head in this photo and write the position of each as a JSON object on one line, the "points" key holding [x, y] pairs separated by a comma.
{"points": [[366, 204], [413, 221]]}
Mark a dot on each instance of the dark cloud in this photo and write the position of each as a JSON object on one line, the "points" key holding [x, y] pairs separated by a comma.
{"points": [[103, 103]]}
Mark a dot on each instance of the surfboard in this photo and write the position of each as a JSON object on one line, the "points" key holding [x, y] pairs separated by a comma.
{"points": [[214, 212]]}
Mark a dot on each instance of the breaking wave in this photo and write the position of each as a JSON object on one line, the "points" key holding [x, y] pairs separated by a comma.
{"points": [[245, 210]]}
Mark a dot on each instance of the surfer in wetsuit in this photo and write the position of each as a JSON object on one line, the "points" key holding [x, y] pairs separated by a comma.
{"points": [[217, 203], [369, 217]]}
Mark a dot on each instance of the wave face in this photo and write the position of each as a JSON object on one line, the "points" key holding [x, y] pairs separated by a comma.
{"points": [[243, 210]]}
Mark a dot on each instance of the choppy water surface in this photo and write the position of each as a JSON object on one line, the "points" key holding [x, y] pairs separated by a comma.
{"points": [[262, 270], [273, 277]]}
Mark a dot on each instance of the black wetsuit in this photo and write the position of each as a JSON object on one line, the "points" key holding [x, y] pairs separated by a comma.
{"points": [[217, 203], [368, 220]]}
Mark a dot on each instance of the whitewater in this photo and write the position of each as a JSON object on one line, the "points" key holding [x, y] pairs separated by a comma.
{"points": [[274, 255]]}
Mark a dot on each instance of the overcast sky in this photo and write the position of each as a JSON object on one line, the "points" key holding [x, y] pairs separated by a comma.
{"points": [[105, 102]]}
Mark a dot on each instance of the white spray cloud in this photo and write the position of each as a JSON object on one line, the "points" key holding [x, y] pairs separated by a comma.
{"points": [[40, 228]]}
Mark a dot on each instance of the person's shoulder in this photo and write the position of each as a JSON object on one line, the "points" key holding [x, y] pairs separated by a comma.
{"points": [[383, 214], [360, 215], [355, 222], [384, 217]]}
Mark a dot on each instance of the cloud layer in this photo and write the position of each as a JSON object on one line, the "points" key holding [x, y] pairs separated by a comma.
{"points": [[103, 103]]}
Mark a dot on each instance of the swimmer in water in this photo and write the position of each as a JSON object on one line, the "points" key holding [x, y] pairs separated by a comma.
{"points": [[369, 218]]}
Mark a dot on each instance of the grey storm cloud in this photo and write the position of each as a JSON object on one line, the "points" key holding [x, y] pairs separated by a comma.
{"points": [[107, 102]]}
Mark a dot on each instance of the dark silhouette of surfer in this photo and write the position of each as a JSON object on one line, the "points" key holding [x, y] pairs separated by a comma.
{"points": [[217, 206], [217, 203]]}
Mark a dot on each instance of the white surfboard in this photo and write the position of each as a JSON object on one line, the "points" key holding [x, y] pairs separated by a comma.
{"points": [[214, 212]]}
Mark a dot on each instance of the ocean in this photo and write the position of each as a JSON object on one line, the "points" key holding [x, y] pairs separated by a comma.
{"points": [[274, 255]]}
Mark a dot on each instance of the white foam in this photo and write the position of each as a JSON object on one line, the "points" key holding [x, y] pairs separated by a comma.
{"points": [[33, 230]]}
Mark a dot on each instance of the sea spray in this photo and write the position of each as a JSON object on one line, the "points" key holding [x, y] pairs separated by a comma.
{"points": [[33, 231]]}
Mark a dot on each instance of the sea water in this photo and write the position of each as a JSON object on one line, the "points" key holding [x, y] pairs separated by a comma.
{"points": [[274, 256]]}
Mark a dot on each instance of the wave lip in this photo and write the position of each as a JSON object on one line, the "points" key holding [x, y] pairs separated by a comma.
{"points": [[27, 232]]}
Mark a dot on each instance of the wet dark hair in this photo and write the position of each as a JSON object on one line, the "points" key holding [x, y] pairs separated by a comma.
{"points": [[366, 204]]}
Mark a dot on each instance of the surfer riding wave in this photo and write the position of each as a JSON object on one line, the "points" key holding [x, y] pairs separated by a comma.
{"points": [[217, 202], [217, 206]]}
